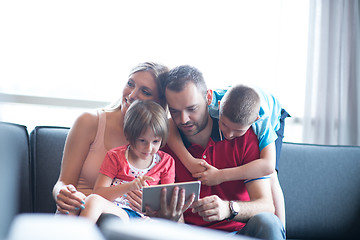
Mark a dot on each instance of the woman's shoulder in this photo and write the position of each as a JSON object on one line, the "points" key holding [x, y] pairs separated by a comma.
{"points": [[86, 122]]}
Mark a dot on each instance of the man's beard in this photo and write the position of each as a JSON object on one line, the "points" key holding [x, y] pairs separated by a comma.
{"points": [[198, 127]]}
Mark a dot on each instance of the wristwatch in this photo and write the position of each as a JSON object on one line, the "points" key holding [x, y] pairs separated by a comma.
{"points": [[234, 209]]}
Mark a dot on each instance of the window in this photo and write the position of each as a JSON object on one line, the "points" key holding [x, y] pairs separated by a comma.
{"points": [[83, 50]]}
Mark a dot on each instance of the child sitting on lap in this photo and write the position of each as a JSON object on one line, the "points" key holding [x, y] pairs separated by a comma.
{"points": [[131, 167]]}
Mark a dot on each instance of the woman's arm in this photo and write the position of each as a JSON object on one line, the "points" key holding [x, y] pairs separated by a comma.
{"points": [[77, 146]]}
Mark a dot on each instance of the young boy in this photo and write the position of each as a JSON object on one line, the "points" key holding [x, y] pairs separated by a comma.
{"points": [[240, 108]]}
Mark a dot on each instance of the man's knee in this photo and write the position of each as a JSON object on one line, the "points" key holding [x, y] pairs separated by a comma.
{"points": [[264, 226], [264, 219]]}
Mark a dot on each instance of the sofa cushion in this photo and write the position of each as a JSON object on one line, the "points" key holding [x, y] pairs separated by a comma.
{"points": [[321, 189], [47, 144], [14, 173]]}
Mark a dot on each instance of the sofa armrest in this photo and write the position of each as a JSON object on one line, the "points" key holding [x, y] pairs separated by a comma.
{"points": [[321, 189]]}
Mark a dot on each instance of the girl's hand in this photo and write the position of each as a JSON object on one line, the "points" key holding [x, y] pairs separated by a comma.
{"points": [[211, 176], [69, 200], [135, 195], [139, 182]]}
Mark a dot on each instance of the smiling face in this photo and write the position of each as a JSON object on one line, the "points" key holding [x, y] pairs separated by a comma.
{"points": [[146, 145], [188, 109], [230, 129], [141, 85]]}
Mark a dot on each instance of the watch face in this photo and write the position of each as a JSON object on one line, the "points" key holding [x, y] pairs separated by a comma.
{"points": [[235, 207]]}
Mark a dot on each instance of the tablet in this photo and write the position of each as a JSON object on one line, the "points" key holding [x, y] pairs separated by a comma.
{"points": [[151, 194]]}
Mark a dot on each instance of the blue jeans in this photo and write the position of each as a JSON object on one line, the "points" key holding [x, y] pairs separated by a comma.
{"points": [[264, 226], [280, 134]]}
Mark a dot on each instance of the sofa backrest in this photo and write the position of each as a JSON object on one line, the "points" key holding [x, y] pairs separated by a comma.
{"points": [[14, 173], [47, 144], [321, 186]]}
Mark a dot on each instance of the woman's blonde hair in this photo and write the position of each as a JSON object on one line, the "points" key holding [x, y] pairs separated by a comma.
{"points": [[142, 115], [156, 70]]}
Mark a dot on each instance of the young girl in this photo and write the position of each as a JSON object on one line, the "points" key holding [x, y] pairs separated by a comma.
{"points": [[131, 167]]}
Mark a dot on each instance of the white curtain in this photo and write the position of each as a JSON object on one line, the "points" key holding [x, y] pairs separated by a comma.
{"points": [[332, 105]]}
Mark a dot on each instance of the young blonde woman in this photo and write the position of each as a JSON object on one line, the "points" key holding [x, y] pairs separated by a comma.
{"points": [[94, 133]]}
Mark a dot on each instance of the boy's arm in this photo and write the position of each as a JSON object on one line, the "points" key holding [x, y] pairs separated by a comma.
{"points": [[177, 146], [263, 166]]}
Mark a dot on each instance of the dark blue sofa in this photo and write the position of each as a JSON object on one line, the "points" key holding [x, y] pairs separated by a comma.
{"points": [[321, 184]]}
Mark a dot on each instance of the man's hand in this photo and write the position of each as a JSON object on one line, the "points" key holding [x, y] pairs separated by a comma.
{"points": [[175, 209], [135, 199], [212, 208], [211, 176]]}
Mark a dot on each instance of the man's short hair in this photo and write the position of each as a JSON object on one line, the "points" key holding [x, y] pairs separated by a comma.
{"points": [[240, 104], [143, 114], [177, 78]]}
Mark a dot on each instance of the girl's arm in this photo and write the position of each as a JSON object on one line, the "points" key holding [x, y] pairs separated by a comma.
{"points": [[263, 166], [77, 146], [177, 146], [103, 186]]}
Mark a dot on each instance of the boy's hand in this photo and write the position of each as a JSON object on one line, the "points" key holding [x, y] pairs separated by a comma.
{"points": [[195, 166], [211, 176]]}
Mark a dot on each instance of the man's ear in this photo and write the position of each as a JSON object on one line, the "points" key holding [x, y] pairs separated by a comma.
{"points": [[209, 96]]}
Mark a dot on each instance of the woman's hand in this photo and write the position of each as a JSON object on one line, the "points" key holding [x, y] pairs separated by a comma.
{"points": [[69, 200]]}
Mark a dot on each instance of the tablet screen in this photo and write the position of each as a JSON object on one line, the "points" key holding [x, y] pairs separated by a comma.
{"points": [[151, 194]]}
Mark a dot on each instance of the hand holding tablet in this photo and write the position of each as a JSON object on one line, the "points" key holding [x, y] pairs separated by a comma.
{"points": [[151, 194]]}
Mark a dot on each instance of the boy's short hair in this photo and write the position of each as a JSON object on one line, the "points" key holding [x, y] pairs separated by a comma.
{"points": [[143, 114], [240, 104], [177, 78]]}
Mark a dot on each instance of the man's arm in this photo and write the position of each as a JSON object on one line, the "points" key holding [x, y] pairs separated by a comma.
{"points": [[260, 200], [212, 208]]}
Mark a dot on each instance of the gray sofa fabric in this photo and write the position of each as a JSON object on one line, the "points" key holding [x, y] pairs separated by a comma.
{"points": [[47, 144], [14, 173], [321, 184]]}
